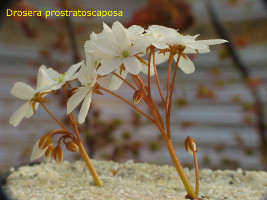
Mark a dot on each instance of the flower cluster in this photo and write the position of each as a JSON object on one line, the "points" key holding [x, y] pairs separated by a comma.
{"points": [[118, 51]]}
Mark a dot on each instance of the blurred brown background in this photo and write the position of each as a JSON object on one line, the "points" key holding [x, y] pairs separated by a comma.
{"points": [[222, 105]]}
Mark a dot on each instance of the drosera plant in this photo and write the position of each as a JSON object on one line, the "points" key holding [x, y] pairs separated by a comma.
{"points": [[118, 52]]}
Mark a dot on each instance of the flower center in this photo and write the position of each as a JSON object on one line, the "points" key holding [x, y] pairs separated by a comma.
{"points": [[125, 54], [61, 78]]}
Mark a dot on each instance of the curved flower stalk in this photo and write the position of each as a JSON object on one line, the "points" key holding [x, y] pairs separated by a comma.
{"points": [[118, 52], [48, 80]]}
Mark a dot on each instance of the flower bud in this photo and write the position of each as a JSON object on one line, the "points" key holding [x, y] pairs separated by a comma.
{"points": [[45, 141], [49, 153], [138, 96], [58, 154], [72, 146], [190, 145]]}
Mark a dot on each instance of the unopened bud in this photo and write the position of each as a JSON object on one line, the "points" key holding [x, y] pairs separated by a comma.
{"points": [[72, 146], [58, 154], [45, 141], [138, 96], [49, 153], [190, 145]]}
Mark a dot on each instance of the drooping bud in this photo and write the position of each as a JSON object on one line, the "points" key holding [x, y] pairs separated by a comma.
{"points": [[58, 154], [37, 152], [45, 141], [49, 153], [190, 145], [138, 96], [72, 146]]}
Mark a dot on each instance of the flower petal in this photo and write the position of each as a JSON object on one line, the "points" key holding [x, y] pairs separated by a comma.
{"points": [[132, 64], [141, 45], [71, 71], [22, 91], [37, 152], [190, 50], [76, 98], [116, 82], [110, 65], [160, 57], [87, 75], [186, 65], [41, 78], [196, 45], [136, 30], [120, 35], [53, 86], [16, 118], [50, 74], [30, 112], [163, 31], [145, 70], [106, 45], [85, 107], [212, 41], [160, 45]]}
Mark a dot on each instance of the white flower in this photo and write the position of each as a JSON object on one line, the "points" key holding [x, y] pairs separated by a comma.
{"points": [[190, 45], [87, 76], [160, 35], [25, 92], [121, 49], [57, 80], [135, 33]]}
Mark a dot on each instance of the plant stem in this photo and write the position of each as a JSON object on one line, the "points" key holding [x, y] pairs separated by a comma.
{"points": [[124, 80], [148, 71], [71, 116], [168, 81], [196, 171], [179, 168], [169, 100], [135, 81], [59, 123], [89, 164], [157, 78], [172, 152], [126, 101]]}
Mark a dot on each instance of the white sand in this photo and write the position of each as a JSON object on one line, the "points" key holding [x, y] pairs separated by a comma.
{"points": [[129, 181]]}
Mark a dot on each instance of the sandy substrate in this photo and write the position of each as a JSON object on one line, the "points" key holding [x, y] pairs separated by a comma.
{"points": [[72, 181]]}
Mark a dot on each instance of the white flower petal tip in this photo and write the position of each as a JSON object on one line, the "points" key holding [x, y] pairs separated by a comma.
{"points": [[85, 108], [22, 91], [116, 82], [186, 65], [22, 112]]}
